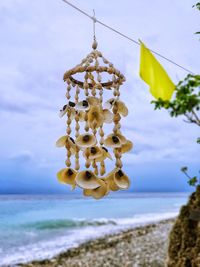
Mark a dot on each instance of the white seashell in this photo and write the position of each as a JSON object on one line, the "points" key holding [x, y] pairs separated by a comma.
{"points": [[83, 105], [108, 116], [109, 104]]}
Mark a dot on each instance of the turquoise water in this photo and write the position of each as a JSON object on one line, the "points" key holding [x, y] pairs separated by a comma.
{"points": [[35, 227]]}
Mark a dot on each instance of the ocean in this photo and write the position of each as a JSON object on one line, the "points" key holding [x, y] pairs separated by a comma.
{"points": [[41, 226]]}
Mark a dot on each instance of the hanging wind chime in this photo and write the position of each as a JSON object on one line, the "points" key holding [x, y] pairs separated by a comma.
{"points": [[89, 114]]}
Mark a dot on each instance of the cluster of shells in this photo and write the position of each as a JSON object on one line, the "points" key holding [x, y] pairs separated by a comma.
{"points": [[89, 114]]}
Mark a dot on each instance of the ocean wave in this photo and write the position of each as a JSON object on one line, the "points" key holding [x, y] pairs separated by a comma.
{"points": [[78, 223], [55, 244], [68, 223]]}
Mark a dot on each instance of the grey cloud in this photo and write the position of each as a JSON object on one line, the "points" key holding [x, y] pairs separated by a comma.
{"points": [[21, 157], [12, 107], [24, 108], [39, 44]]}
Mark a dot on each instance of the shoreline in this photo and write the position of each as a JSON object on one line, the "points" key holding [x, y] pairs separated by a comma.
{"points": [[142, 246]]}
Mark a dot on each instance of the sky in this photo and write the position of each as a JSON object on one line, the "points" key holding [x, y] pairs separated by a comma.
{"points": [[40, 40]]}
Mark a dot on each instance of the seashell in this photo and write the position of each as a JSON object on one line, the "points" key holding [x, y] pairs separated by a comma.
{"points": [[61, 141], [95, 117], [105, 155], [72, 145], [98, 192], [81, 115], [109, 179], [86, 140], [93, 100], [113, 141], [108, 116], [127, 146], [59, 174], [83, 105], [121, 179], [87, 180], [63, 111], [67, 108], [73, 113], [108, 155], [122, 138], [92, 152], [67, 176], [109, 104], [87, 192], [122, 109], [65, 141], [71, 104]]}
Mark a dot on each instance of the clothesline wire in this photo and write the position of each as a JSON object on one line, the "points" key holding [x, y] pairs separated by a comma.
{"points": [[95, 20]]}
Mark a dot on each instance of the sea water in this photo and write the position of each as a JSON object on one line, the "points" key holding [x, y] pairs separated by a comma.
{"points": [[37, 227]]}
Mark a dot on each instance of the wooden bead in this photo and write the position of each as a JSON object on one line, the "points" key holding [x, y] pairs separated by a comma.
{"points": [[101, 132], [77, 165], [77, 127], [102, 168], [68, 153], [68, 163], [105, 60], [94, 45], [68, 130], [117, 118], [87, 163], [99, 77]]}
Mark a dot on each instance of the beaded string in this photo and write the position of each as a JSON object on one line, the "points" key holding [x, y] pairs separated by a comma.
{"points": [[116, 120], [77, 127], [86, 128], [68, 161]]}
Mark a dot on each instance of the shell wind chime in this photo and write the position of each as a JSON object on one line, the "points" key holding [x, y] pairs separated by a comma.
{"points": [[88, 112]]}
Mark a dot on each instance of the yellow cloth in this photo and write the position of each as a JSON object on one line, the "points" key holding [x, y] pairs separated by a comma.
{"points": [[152, 72]]}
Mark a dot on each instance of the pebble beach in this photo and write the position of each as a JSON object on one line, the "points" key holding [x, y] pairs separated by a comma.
{"points": [[144, 246]]}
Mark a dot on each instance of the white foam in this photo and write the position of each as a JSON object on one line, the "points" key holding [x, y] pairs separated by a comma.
{"points": [[146, 218]]}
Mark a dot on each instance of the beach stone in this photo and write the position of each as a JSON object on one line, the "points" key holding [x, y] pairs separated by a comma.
{"points": [[144, 246], [184, 239]]}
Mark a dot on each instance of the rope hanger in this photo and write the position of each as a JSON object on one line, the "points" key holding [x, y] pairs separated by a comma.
{"points": [[95, 20]]}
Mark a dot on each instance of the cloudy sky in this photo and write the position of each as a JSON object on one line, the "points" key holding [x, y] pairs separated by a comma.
{"points": [[40, 40]]}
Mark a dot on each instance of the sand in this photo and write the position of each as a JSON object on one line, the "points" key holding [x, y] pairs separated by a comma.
{"points": [[144, 246]]}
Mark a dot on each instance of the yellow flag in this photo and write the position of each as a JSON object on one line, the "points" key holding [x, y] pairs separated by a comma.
{"points": [[152, 72]]}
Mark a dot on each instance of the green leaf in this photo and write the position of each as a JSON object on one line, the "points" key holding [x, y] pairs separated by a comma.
{"points": [[193, 181], [184, 169]]}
